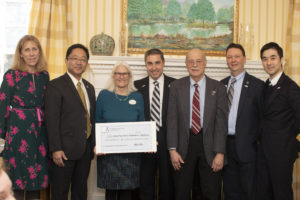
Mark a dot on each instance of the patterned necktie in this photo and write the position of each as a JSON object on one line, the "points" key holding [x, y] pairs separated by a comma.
{"points": [[155, 106], [196, 125], [231, 92], [82, 97]]}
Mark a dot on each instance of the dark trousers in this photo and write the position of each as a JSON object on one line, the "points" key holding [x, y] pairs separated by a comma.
{"points": [[210, 182], [75, 172], [120, 195], [274, 179], [239, 177], [151, 166]]}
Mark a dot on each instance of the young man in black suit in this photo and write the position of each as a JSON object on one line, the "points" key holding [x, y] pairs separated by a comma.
{"points": [[277, 151], [70, 105], [245, 111], [159, 161]]}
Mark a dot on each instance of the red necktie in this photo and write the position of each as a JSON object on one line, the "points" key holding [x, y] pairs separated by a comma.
{"points": [[196, 126]]}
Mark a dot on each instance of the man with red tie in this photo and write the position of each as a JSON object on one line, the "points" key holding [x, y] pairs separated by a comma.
{"points": [[197, 129]]}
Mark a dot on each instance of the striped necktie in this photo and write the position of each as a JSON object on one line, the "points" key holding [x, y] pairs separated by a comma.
{"points": [[231, 92], [82, 97], [196, 125], [155, 106]]}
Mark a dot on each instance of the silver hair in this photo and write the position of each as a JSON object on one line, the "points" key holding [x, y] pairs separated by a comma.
{"points": [[111, 84]]}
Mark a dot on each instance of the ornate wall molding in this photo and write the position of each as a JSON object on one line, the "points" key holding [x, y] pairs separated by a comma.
{"points": [[101, 66]]}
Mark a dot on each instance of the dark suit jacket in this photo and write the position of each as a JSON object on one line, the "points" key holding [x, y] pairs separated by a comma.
{"points": [[281, 121], [143, 87], [214, 123], [66, 117], [248, 117]]}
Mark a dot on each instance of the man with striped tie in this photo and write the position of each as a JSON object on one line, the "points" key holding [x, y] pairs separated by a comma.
{"points": [[155, 90], [245, 109], [197, 129]]}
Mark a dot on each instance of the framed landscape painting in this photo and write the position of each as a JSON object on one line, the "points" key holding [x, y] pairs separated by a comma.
{"points": [[175, 26]]}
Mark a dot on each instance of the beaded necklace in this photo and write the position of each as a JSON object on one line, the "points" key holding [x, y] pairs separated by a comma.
{"points": [[125, 99]]}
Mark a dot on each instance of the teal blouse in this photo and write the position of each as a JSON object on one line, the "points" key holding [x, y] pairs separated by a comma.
{"points": [[119, 171]]}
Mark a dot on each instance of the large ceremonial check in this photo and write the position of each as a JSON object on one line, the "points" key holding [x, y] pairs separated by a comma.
{"points": [[125, 137]]}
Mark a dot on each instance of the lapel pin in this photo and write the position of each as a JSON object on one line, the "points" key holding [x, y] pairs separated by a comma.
{"points": [[143, 86], [169, 85], [226, 85], [245, 86], [213, 92], [278, 88], [87, 86]]}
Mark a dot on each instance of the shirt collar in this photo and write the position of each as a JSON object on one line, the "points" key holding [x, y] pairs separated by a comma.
{"points": [[74, 80], [160, 80], [275, 80], [199, 82], [238, 77]]}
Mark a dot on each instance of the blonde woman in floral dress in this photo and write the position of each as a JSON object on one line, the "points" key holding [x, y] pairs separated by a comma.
{"points": [[21, 119]]}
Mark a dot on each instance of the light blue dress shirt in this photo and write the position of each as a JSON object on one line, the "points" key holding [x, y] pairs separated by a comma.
{"points": [[201, 89], [235, 102]]}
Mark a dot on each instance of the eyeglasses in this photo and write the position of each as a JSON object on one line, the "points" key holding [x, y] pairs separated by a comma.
{"points": [[121, 74], [82, 60], [193, 62]]}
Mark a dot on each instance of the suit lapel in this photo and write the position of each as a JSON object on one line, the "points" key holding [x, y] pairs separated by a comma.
{"points": [[207, 113], [225, 81], [90, 94], [145, 92], [165, 97], [73, 89], [275, 91], [244, 92], [184, 95]]}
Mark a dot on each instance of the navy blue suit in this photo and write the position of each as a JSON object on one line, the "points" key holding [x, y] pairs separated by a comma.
{"points": [[239, 174]]}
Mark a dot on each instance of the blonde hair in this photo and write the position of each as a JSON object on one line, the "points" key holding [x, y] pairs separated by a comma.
{"points": [[18, 62], [111, 84]]}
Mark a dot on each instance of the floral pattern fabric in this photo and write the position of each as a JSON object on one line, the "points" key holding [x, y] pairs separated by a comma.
{"points": [[22, 127]]}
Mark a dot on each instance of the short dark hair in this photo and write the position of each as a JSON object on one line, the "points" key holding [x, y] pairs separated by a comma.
{"points": [[271, 45], [236, 46], [154, 52], [75, 46]]}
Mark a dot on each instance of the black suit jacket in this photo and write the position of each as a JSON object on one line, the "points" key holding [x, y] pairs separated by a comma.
{"points": [[281, 121], [248, 117], [143, 87], [66, 117]]}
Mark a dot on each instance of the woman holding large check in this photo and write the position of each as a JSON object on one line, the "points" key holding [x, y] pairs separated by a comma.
{"points": [[119, 173]]}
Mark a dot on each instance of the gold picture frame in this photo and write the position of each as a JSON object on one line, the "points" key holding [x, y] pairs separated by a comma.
{"points": [[127, 49]]}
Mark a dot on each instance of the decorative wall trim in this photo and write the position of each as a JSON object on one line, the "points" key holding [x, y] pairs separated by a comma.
{"points": [[101, 66]]}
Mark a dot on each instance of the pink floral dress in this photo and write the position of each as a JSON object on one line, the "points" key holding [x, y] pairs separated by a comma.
{"points": [[22, 127]]}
